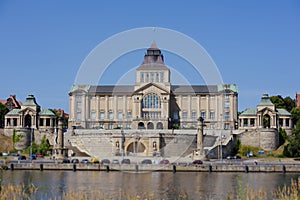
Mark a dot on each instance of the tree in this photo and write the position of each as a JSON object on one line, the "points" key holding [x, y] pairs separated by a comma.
{"points": [[44, 147], [296, 115], [3, 111], [293, 148], [287, 103]]}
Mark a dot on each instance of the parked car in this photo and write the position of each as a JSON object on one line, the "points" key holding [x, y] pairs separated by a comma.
{"points": [[229, 157], [39, 156], [147, 161], [237, 157], [95, 160], [5, 154], [14, 154], [164, 162], [33, 157], [115, 161], [197, 162], [85, 161], [22, 158], [105, 162], [75, 160], [66, 160], [125, 161]]}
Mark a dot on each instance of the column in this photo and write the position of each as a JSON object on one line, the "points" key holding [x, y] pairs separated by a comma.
{"points": [[97, 108], [207, 107], [106, 107]]}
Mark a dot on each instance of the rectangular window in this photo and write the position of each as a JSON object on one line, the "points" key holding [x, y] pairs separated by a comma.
{"points": [[175, 115], [287, 122], [162, 77], [212, 115], [147, 77], [252, 122], [184, 115], [78, 116], [203, 114], [157, 77], [47, 122], [226, 105], [41, 122], [245, 122], [129, 115], [101, 125], [101, 115], [226, 116], [128, 126], [152, 77], [120, 115], [226, 126], [226, 96], [15, 121], [93, 115], [110, 126], [194, 115], [212, 126], [142, 77], [280, 122], [78, 105], [110, 115]]}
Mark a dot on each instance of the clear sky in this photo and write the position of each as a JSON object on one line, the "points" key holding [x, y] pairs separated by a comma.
{"points": [[255, 44]]}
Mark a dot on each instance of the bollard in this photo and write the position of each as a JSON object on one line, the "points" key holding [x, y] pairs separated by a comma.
{"points": [[174, 169], [41, 167], [246, 168], [210, 168], [136, 168], [11, 166], [107, 168], [74, 167], [283, 169]]}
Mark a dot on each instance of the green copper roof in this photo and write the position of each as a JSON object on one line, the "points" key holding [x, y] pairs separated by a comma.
{"points": [[232, 87], [47, 112], [283, 112], [265, 101], [249, 112], [13, 112], [30, 101], [79, 87]]}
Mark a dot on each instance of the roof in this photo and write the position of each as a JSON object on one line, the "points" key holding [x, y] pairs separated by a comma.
{"points": [[153, 66], [84, 88], [46, 112], [265, 101], [283, 112], [231, 87], [195, 89], [30, 101], [109, 89], [249, 112], [13, 112]]}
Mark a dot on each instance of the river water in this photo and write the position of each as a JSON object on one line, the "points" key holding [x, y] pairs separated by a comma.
{"points": [[163, 185]]}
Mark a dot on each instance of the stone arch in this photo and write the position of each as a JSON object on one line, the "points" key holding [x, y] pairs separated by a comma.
{"points": [[266, 121], [141, 125], [150, 125], [27, 121], [136, 147], [159, 125]]}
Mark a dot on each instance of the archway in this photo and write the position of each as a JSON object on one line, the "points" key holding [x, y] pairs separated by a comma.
{"points": [[266, 121], [136, 147], [159, 125], [27, 121], [150, 125], [141, 125]]}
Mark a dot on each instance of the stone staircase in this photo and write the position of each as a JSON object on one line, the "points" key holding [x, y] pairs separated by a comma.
{"points": [[180, 145]]}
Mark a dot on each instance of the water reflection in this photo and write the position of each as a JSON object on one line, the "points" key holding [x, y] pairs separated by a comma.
{"points": [[162, 184]]}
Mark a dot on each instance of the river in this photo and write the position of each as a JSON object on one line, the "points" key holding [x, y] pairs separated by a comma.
{"points": [[163, 185]]}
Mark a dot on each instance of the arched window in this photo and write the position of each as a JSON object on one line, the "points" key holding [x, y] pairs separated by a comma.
{"points": [[151, 101]]}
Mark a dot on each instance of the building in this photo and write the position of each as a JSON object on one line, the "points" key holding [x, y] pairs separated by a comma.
{"points": [[11, 102], [298, 100], [153, 102], [30, 115], [266, 115]]}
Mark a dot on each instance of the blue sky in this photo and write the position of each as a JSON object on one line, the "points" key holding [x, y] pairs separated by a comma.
{"points": [[255, 44]]}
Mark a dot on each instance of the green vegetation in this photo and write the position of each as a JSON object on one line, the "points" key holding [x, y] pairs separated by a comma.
{"points": [[16, 137], [41, 148], [245, 149], [292, 149], [287, 103]]}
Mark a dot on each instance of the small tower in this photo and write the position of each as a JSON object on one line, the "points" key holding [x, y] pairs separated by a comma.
{"points": [[60, 151]]}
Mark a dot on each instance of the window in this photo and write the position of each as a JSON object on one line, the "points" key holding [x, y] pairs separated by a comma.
{"points": [[120, 115], [226, 126], [110, 126], [101, 115], [226, 96], [151, 101], [226, 116], [78, 116], [93, 115], [212, 126], [128, 126], [212, 115], [162, 77], [252, 122], [78, 105], [147, 77], [152, 77], [245, 122], [157, 77], [110, 115], [175, 115], [142, 77], [203, 114], [48, 122], [184, 115], [129, 114], [101, 125], [226, 104], [280, 122], [287, 122], [194, 115], [41, 122], [15, 121]]}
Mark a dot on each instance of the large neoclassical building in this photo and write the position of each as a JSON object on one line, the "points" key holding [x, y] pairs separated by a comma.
{"points": [[153, 102]]}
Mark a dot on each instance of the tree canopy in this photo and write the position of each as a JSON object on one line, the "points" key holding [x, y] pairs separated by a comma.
{"points": [[287, 103]]}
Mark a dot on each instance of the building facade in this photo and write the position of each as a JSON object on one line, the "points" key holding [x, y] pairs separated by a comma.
{"points": [[266, 115], [153, 102]]}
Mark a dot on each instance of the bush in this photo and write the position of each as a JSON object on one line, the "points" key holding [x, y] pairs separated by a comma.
{"points": [[245, 149]]}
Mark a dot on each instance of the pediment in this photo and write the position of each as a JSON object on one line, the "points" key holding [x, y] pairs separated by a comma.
{"points": [[266, 110], [151, 86], [27, 110]]}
